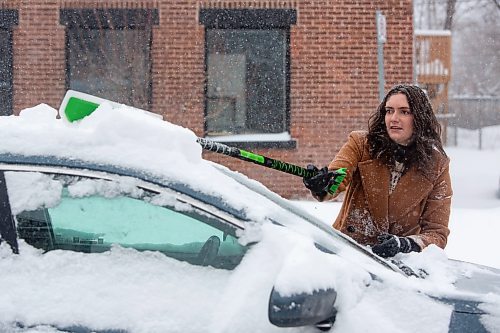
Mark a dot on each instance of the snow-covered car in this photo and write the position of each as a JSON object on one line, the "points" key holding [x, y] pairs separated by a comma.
{"points": [[115, 223]]}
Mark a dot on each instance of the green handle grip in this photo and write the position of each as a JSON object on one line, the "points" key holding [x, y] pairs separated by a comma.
{"points": [[340, 174]]}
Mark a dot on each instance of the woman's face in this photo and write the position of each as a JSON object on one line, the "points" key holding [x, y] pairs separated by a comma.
{"points": [[399, 119]]}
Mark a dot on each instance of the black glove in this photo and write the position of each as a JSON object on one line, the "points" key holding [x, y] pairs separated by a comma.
{"points": [[390, 245], [320, 182]]}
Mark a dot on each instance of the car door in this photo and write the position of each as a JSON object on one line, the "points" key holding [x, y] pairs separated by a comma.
{"points": [[98, 245]]}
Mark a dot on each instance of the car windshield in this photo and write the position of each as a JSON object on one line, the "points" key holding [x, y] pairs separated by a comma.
{"points": [[341, 243]]}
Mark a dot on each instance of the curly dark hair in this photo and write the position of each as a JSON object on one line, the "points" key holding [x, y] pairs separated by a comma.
{"points": [[426, 135]]}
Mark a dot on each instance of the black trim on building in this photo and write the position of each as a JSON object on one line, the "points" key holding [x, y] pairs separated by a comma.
{"points": [[247, 18], [112, 18], [291, 144], [8, 18], [288, 76], [223, 18]]}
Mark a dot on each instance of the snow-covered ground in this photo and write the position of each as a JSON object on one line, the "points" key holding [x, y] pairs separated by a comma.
{"points": [[475, 214]]}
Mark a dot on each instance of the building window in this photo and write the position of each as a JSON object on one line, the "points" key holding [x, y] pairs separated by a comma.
{"points": [[247, 70], [108, 53], [8, 18]]}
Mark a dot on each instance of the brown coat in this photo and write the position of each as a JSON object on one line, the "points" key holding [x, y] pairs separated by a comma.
{"points": [[418, 207]]}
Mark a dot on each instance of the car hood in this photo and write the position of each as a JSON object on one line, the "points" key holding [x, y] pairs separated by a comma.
{"points": [[477, 279]]}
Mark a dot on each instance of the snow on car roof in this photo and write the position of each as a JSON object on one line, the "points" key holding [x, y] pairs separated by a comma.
{"points": [[122, 136]]}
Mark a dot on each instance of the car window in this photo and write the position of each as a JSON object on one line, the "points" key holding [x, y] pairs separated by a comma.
{"points": [[92, 215]]}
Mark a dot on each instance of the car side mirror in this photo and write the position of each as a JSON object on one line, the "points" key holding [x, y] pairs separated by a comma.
{"points": [[303, 309]]}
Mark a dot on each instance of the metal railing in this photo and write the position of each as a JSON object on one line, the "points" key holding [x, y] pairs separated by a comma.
{"points": [[473, 113]]}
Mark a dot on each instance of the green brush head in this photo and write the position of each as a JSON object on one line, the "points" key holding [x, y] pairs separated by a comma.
{"points": [[78, 108]]}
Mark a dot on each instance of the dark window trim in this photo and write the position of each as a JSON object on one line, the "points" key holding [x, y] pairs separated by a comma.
{"points": [[8, 19], [112, 18], [287, 83], [247, 18], [253, 19], [108, 18], [290, 144]]}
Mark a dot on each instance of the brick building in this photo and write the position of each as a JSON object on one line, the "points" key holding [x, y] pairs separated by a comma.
{"points": [[288, 79]]}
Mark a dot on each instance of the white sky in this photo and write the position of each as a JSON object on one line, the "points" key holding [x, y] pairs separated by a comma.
{"points": [[147, 292]]}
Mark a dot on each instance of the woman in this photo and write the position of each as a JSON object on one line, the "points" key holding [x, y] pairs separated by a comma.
{"points": [[398, 188]]}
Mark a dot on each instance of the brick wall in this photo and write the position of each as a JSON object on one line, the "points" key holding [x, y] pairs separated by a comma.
{"points": [[334, 73]]}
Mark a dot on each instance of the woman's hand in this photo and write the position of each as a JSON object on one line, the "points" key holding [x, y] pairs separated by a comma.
{"points": [[390, 245], [320, 182]]}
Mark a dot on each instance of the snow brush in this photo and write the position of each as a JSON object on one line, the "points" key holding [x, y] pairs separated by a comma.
{"points": [[77, 105]]}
